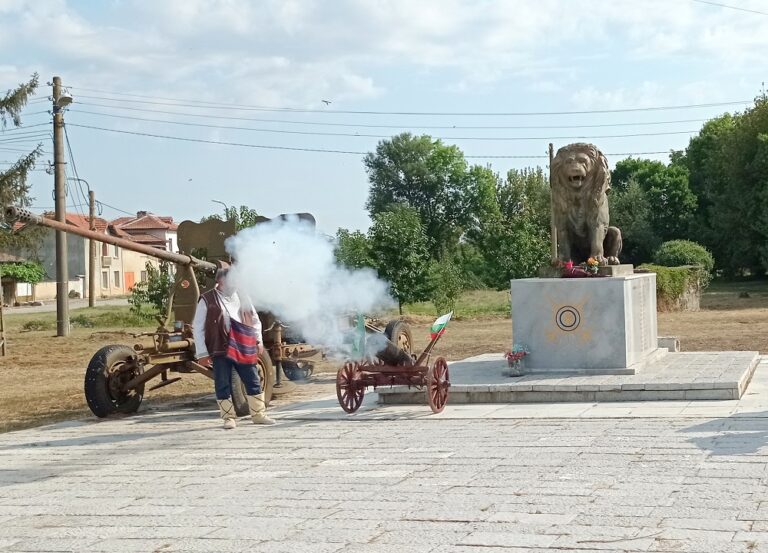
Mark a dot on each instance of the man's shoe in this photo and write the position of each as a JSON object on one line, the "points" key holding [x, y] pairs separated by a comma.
{"points": [[227, 412], [258, 410]]}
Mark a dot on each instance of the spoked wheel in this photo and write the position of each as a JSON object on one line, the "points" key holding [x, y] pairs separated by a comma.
{"points": [[110, 369], [350, 388], [438, 383]]}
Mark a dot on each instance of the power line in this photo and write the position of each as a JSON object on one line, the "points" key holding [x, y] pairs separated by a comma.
{"points": [[23, 128], [409, 113], [359, 135], [319, 150], [729, 7], [374, 126], [112, 207]]}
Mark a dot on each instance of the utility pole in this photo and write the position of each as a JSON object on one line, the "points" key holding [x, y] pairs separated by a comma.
{"points": [[60, 196], [552, 227], [92, 250]]}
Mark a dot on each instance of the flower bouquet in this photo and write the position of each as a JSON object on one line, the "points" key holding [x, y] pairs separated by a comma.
{"points": [[515, 360]]}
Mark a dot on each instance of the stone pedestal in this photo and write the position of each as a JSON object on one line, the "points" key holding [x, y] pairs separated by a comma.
{"points": [[586, 325]]}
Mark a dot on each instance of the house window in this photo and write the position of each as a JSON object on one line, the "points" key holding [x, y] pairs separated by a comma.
{"points": [[104, 249], [104, 279], [117, 279], [117, 252], [143, 276]]}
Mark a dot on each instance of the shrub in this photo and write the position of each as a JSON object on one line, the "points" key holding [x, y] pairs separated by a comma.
{"points": [[676, 253], [678, 288]]}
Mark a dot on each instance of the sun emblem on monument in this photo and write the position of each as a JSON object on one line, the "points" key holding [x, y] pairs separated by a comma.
{"points": [[569, 322]]}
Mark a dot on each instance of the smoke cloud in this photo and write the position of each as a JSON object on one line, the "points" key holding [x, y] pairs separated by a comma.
{"points": [[285, 267]]}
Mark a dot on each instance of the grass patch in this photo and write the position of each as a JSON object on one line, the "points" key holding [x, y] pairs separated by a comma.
{"points": [[472, 303], [87, 317]]}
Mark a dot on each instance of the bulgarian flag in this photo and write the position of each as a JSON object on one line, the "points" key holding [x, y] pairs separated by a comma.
{"points": [[438, 327]]}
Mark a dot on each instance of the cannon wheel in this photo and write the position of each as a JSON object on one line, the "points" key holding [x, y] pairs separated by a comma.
{"points": [[267, 379], [438, 383], [109, 369], [349, 387], [399, 333]]}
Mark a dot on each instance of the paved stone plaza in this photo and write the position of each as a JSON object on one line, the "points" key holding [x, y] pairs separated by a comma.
{"points": [[671, 376], [655, 476]]}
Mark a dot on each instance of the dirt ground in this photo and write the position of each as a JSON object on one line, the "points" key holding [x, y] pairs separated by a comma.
{"points": [[42, 378]]}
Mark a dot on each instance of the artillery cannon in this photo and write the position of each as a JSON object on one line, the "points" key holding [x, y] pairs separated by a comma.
{"points": [[116, 375]]}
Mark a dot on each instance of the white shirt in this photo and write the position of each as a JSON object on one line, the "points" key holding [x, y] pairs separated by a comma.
{"points": [[230, 308]]}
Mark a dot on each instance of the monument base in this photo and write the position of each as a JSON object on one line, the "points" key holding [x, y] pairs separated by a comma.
{"points": [[625, 269], [586, 326]]}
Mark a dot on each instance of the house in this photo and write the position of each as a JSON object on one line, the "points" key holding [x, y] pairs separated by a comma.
{"points": [[117, 269], [147, 229]]}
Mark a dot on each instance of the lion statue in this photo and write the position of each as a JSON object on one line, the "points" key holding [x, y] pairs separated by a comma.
{"points": [[580, 184]]}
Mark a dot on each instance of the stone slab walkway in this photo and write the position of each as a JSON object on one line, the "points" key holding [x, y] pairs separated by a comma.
{"points": [[674, 376], [475, 479]]}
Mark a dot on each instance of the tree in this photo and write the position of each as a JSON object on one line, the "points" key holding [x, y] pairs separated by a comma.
{"points": [[155, 291], [399, 250], [13, 181], [728, 164], [672, 204], [243, 216], [630, 210], [512, 236], [353, 249], [432, 178]]}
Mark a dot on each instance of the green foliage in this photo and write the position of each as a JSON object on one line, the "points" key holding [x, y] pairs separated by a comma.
{"points": [[432, 178], [23, 272], [399, 249], [728, 163], [672, 203], [243, 216], [512, 237], [673, 282], [153, 292], [631, 212], [14, 188], [353, 249], [446, 282], [683, 252], [99, 317]]}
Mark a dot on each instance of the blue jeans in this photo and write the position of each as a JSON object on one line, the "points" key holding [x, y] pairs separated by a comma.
{"points": [[222, 377]]}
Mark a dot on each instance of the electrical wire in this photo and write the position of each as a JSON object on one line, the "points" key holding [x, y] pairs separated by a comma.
{"points": [[374, 126], [729, 7], [319, 150], [359, 135], [23, 127], [410, 113]]}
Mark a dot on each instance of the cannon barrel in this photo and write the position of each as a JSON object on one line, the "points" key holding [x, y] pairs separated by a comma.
{"points": [[14, 213]]}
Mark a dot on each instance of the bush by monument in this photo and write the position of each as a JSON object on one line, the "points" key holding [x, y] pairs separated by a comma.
{"points": [[678, 288], [676, 253]]}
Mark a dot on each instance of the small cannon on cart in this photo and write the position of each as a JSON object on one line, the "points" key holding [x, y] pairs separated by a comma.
{"points": [[393, 366]]}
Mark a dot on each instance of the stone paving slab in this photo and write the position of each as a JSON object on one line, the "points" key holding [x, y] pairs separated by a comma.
{"points": [[395, 479], [687, 376]]}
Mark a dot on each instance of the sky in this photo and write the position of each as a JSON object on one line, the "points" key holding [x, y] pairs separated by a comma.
{"points": [[193, 69]]}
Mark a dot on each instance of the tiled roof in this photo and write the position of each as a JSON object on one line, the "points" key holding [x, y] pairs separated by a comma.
{"points": [[148, 222], [74, 219], [147, 239]]}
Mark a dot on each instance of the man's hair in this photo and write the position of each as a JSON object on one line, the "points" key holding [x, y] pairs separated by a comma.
{"points": [[222, 273]]}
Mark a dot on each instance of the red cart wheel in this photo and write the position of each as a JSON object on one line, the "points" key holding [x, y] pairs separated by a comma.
{"points": [[350, 389], [438, 383]]}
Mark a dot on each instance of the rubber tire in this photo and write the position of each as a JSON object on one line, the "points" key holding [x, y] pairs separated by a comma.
{"points": [[394, 329], [96, 386], [295, 373], [266, 378]]}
